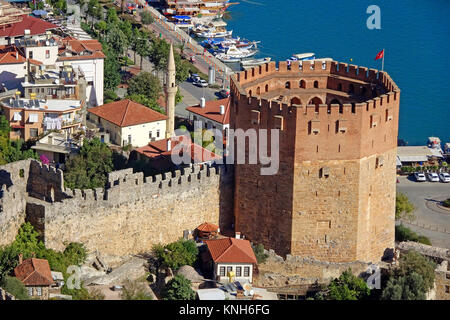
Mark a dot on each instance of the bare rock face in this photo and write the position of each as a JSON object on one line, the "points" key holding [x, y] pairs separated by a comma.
{"points": [[133, 269]]}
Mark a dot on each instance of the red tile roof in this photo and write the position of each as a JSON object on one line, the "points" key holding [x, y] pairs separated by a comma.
{"points": [[8, 55], [231, 250], [158, 148], [35, 25], [208, 227], [34, 272], [126, 113], [77, 46], [212, 110]]}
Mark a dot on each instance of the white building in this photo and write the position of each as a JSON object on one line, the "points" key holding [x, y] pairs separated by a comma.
{"points": [[232, 259], [214, 114], [128, 122]]}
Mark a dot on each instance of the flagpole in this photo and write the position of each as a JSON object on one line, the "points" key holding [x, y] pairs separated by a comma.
{"points": [[382, 61]]}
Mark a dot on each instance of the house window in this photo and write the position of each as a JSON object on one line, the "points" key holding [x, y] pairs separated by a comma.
{"points": [[222, 271], [246, 271], [39, 291], [238, 271], [149, 134], [30, 291], [157, 133], [447, 289], [30, 54], [129, 139], [229, 269], [33, 132], [47, 54]]}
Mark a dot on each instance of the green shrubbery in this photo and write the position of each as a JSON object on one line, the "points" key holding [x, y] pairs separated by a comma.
{"points": [[412, 280], [446, 203], [258, 250], [403, 233], [15, 287], [346, 287], [177, 254], [178, 288]]}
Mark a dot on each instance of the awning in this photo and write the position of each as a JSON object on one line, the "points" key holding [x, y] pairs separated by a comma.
{"points": [[399, 163], [413, 158]]}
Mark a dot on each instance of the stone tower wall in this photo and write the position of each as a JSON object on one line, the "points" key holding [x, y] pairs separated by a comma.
{"points": [[334, 196]]}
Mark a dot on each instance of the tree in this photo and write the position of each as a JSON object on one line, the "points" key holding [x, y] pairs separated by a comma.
{"points": [[413, 261], [112, 76], [177, 254], [117, 40], [403, 233], [403, 207], [27, 241], [407, 287], [261, 257], [146, 17], [150, 103], [146, 84], [178, 288], [412, 279], [111, 17], [101, 26], [134, 290], [94, 10], [15, 287], [346, 287], [90, 168], [142, 48], [9, 259]]}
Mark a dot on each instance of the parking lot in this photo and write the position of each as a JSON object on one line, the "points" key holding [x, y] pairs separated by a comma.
{"points": [[432, 220]]}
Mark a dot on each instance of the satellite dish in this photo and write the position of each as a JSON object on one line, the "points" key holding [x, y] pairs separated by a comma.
{"points": [[246, 293], [252, 292]]}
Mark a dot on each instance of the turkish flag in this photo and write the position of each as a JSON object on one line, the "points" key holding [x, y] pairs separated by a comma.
{"points": [[380, 55]]}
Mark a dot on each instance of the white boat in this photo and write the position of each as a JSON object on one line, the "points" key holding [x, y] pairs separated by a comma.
{"points": [[255, 62], [233, 53], [215, 34], [305, 56]]}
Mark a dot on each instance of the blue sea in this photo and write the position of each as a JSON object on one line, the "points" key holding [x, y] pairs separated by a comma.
{"points": [[415, 35]]}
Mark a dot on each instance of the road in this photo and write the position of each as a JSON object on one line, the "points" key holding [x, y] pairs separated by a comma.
{"points": [[192, 95], [432, 221]]}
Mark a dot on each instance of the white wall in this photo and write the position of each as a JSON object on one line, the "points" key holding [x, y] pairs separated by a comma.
{"points": [[12, 74], [233, 266], [140, 133], [39, 54]]}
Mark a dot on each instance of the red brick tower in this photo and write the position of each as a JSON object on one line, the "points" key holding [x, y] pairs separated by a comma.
{"points": [[333, 198]]}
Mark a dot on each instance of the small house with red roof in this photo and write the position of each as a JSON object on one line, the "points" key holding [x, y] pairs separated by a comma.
{"points": [[128, 122], [35, 274], [231, 258], [159, 154], [214, 114], [207, 230]]}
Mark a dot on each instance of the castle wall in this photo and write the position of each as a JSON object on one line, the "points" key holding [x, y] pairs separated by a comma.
{"points": [[13, 182], [133, 215]]}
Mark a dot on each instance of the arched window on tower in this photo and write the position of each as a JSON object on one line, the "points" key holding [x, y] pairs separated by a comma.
{"points": [[303, 84], [267, 88], [287, 85], [351, 88], [316, 84]]}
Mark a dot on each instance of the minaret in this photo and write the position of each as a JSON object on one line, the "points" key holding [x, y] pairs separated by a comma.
{"points": [[171, 91]]}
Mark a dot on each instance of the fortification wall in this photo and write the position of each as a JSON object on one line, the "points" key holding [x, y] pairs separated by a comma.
{"points": [[296, 270], [13, 182], [136, 213]]}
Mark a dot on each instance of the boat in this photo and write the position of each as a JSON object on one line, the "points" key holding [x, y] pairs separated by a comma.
{"points": [[255, 62], [214, 34], [234, 54], [302, 57]]}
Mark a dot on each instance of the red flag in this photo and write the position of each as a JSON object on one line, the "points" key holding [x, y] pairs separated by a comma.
{"points": [[380, 55]]}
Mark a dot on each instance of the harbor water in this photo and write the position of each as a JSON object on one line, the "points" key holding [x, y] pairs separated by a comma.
{"points": [[415, 35]]}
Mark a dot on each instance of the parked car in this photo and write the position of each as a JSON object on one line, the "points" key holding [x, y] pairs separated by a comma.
{"points": [[201, 83], [444, 176], [224, 93], [195, 77], [419, 176], [433, 177]]}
